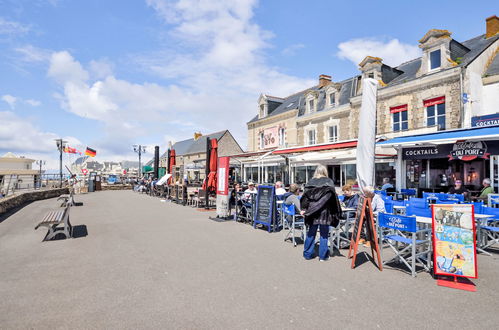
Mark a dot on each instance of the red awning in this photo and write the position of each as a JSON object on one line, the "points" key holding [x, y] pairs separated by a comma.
{"points": [[329, 146], [399, 108], [436, 100]]}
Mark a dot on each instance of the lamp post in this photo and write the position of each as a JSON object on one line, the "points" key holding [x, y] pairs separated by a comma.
{"points": [[40, 162], [140, 149], [60, 145]]}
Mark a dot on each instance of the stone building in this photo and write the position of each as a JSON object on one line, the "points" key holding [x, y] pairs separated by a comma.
{"points": [[445, 89]]}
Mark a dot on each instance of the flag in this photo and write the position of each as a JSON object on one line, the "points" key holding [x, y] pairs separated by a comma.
{"points": [[90, 152], [70, 150]]}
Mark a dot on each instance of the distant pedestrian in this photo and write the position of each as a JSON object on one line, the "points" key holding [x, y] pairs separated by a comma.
{"points": [[321, 208]]}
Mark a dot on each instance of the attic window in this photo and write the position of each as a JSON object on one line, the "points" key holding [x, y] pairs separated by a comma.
{"points": [[435, 60], [290, 105]]}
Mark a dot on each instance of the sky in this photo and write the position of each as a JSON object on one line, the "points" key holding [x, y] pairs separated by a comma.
{"points": [[111, 74]]}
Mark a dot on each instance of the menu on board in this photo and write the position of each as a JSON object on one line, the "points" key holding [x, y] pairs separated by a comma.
{"points": [[265, 206]]}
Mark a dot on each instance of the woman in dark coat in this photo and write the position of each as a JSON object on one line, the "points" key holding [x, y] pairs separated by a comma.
{"points": [[321, 208]]}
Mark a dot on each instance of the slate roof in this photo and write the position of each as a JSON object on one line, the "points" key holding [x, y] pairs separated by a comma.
{"points": [[465, 52], [191, 146], [493, 68]]}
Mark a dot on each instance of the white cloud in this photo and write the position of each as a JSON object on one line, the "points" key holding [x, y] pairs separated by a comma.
{"points": [[218, 66], [10, 100], [11, 28], [33, 103], [393, 52], [32, 54], [292, 50]]}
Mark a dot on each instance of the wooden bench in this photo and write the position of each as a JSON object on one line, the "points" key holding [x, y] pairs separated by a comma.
{"points": [[67, 199], [53, 220]]}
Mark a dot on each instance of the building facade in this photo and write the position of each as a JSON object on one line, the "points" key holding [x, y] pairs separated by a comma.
{"points": [[450, 87]]}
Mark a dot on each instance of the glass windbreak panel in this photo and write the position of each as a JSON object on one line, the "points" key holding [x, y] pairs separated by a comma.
{"points": [[271, 174], [435, 59], [350, 174], [415, 172], [300, 174], [310, 171], [384, 170]]}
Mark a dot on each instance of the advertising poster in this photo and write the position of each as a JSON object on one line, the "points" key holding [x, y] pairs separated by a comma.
{"points": [[270, 138], [454, 242], [223, 187]]}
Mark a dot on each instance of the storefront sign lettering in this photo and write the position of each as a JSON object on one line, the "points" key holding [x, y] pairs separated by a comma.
{"points": [[422, 153], [484, 121], [469, 150]]}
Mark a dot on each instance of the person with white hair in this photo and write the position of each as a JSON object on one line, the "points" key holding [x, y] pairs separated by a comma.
{"points": [[386, 184], [321, 209], [279, 190], [377, 203]]}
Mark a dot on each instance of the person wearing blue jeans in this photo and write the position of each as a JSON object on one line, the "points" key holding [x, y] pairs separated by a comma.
{"points": [[309, 248], [321, 209]]}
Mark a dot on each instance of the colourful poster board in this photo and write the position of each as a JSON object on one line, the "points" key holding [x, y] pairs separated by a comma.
{"points": [[454, 243]]}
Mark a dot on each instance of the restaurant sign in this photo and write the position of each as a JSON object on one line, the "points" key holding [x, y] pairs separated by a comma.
{"points": [[461, 150], [484, 121], [468, 150]]}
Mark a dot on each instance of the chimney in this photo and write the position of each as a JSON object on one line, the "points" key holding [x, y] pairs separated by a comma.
{"points": [[324, 80], [492, 24]]}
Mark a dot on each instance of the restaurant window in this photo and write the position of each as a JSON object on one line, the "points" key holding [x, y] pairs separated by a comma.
{"points": [[333, 133], [435, 115], [350, 174], [311, 137], [282, 133], [262, 141], [416, 171], [435, 59], [300, 174]]}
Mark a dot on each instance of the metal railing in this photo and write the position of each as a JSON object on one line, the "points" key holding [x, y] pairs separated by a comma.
{"points": [[12, 184]]}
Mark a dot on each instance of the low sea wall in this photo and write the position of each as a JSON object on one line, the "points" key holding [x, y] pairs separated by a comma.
{"points": [[19, 199]]}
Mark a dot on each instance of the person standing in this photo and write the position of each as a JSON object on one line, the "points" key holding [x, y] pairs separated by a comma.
{"points": [[321, 209]]}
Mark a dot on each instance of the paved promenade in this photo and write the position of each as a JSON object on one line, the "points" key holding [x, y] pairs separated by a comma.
{"points": [[149, 264]]}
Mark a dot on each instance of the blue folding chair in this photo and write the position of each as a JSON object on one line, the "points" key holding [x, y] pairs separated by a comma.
{"points": [[341, 198], [408, 192], [294, 221], [491, 231], [493, 200], [403, 240], [419, 212]]}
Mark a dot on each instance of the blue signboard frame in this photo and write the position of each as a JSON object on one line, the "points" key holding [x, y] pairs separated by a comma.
{"points": [[269, 220], [485, 121]]}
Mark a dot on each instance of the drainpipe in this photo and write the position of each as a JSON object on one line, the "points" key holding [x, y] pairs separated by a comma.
{"points": [[461, 103]]}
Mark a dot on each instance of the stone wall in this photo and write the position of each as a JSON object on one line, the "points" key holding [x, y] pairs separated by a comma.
{"points": [[117, 187], [11, 202]]}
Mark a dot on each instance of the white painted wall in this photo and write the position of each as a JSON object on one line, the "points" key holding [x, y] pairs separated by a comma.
{"points": [[491, 98]]}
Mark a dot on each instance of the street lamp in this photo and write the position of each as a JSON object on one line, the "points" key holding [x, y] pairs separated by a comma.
{"points": [[40, 162], [60, 145], [140, 149]]}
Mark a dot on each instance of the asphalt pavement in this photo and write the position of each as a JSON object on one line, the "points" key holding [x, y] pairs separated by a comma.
{"points": [[141, 263]]}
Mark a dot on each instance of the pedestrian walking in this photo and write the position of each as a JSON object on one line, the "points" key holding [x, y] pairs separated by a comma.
{"points": [[321, 209]]}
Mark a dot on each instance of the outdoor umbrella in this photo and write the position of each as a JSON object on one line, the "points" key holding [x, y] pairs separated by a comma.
{"points": [[172, 164], [211, 183]]}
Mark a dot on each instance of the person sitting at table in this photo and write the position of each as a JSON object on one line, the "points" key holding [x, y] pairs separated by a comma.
{"points": [[251, 191], [350, 199], [486, 190], [377, 203], [279, 190], [459, 189], [294, 191], [386, 184]]}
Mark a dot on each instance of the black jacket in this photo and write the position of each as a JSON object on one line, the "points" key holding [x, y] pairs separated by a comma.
{"points": [[320, 203]]}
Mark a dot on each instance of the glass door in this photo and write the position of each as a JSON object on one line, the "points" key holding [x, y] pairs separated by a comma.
{"points": [[494, 172]]}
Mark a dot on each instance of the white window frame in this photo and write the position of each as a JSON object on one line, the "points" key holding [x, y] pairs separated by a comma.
{"points": [[311, 98], [261, 142], [282, 136], [429, 60], [400, 121], [336, 137], [436, 115], [308, 136]]}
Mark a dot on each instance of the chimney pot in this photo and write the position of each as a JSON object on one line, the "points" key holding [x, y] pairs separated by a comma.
{"points": [[492, 26], [324, 80]]}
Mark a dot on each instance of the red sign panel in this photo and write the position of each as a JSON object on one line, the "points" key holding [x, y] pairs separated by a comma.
{"points": [[223, 176], [433, 101], [398, 108]]}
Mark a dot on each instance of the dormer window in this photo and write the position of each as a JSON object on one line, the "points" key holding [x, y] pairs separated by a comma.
{"points": [[311, 106], [332, 99], [311, 101], [262, 111], [435, 59]]}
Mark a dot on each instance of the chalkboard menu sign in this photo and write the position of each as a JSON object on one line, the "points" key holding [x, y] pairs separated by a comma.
{"points": [[364, 222], [265, 204]]}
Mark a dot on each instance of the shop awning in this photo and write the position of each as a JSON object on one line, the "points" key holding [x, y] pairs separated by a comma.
{"points": [[328, 146], [482, 134]]}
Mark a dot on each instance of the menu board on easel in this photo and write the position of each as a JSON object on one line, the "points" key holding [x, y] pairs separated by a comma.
{"points": [[454, 244], [364, 216], [264, 211]]}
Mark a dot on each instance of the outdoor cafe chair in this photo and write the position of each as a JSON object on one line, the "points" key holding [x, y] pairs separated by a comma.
{"points": [[295, 222], [244, 207], [403, 241], [490, 234], [493, 200]]}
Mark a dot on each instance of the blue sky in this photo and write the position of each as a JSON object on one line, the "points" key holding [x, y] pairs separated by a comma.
{"points": [[108, 74]]}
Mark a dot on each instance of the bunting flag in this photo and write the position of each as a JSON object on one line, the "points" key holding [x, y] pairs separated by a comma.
{"points": [[70, 150], [90, 152]]}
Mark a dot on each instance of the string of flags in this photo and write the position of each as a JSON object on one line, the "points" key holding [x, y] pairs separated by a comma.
{"points": [[89, 151]]}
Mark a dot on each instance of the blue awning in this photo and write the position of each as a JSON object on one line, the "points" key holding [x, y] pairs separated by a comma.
{"points": [[480, 133]]}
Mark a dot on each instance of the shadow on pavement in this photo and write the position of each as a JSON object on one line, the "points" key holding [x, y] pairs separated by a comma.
{"points": [[79, 231]]}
